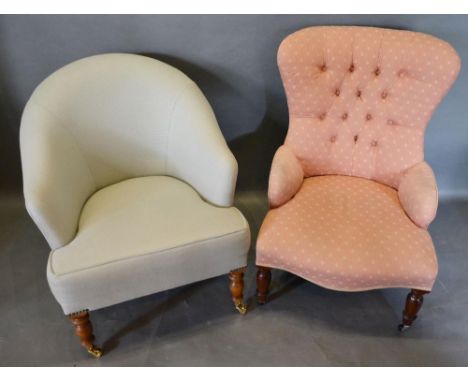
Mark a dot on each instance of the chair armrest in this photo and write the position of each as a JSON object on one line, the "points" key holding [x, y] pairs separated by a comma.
{"points": [[418, 194], [286, 177], [56, 179], [197, 151]]}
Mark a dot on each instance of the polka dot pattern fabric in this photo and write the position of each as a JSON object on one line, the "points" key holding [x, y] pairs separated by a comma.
{"points": [[286, 177], [360, 98], [359, 101], [418, 194], [350, 234]]}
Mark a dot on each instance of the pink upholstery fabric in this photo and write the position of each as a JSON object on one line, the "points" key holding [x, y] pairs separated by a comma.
{"points": [[418, 194], [360, 98], [286, 177], [347, 233], [359, 101]]}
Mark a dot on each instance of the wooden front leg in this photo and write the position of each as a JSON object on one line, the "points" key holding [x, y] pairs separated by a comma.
{"points": [[263, 284], [236, 286], [84, 331], [414, 301]]}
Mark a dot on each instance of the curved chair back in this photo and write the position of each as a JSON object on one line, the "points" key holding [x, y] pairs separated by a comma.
{"points": [[111, 117], [360, 98]]}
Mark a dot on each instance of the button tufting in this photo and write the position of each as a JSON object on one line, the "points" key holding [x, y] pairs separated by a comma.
{"points": [[401, 73], [356, 137], [333, 138], [358, 93], [368, 117], [391, 122], [377, 71], [323, 68], [384, 95], [322, 116], [344, 116], [337, 92], [374, 143], [351, 68]]}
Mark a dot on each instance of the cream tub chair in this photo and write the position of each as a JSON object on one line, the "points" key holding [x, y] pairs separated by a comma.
{"points": [[128, 177], [350, 193]]}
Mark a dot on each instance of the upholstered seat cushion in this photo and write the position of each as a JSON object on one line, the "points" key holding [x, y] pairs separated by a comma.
{"points": [[142, 236], [350, 234]]}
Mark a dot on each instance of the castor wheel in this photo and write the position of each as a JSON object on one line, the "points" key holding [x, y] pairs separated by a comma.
{"points": [[261, 300], [402, 327]]}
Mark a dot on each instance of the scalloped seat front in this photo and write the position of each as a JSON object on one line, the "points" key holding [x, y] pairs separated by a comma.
{"points": [[347, 233]]}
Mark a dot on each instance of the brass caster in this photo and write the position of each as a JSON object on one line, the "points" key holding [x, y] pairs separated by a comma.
{"points": [[241, 308], [95, 352], [403, 328]]}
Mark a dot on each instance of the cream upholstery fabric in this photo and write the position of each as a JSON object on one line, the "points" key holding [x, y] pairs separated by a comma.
{"points": [[155, 223], [111, 117], [115, 117]]}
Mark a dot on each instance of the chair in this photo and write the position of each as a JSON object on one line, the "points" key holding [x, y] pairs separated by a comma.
{"points": [[128, 177], [351, 196]]}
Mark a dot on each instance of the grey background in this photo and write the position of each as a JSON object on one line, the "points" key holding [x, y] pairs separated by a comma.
{"points": [[233, 59]]}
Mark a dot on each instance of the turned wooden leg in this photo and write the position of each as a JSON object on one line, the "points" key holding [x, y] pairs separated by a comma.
{"points": [[263, 284], [236, 286], [414, 301], [84, 331]]}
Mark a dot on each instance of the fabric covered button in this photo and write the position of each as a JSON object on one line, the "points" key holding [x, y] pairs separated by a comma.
{"points": [[384, 95], [351, 68], [391, 122], [368, 117], [344, 116], [356, 137], [322, 116], [358, 93], [377, 71], [374, 143], [402, 73], [323, 68], [333, 138], [337, 92]]}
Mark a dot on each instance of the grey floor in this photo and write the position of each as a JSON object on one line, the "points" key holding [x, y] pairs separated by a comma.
{"points": [[196, 325]]}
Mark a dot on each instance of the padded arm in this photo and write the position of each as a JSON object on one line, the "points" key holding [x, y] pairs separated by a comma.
{"points": [[197, 151], [418, 194], [286, 176], [56, 180]]}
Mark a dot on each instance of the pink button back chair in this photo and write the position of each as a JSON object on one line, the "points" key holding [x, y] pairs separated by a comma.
{"points": [[350, 193]]}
